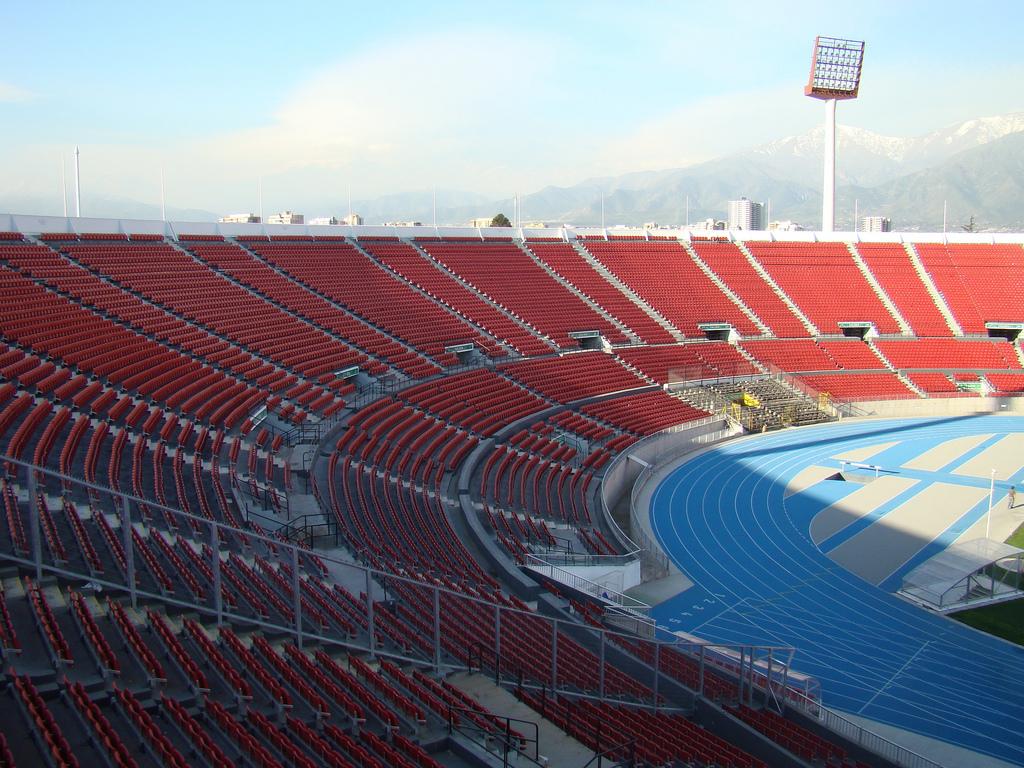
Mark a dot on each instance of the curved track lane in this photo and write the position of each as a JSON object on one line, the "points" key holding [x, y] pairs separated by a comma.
{"points": [[724, 520]]}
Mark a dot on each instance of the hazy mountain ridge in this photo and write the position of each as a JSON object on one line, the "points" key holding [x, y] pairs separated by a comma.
{"points": [[976, 167]]}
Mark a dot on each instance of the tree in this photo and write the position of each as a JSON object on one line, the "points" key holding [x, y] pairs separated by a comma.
{"points": [[501, 220]]}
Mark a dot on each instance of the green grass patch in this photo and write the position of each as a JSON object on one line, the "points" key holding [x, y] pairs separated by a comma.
{"points": [[1017, 537], [1005, 620]]}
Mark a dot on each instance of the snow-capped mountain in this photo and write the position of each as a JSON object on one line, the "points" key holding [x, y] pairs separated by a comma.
{"points": [[867, 158]]}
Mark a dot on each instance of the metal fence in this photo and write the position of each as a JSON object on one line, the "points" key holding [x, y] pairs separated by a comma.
{"points": [[239, 577]]}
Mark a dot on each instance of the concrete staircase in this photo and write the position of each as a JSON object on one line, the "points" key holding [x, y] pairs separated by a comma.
{"points": [[626, 291], [556, 746], [310, 289], [891, 368], [765, 330], [933, 290], [436, 300], [155, 305], [879, 291], [804, 320], [578, 293], [482, 296]]}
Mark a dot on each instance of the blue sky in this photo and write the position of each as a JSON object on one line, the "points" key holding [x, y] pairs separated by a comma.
{"points": [[400, 96]]}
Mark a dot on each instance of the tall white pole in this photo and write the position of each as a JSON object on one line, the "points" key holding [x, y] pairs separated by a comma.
{"points": [[434, 201], [78, 186], [943, 217], [602, 209], [349, 203], [768, 215], [687, 210], [991, 495], [828, 196], [259, 197], [856, 214], [64, 186], [163, 200]]}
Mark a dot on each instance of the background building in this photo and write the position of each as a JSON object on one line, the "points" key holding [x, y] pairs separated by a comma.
{"points": [[352, 220], [320, 221], [784, 226], [716, 224], [239, 218], [746, 214], [876, 224], [286, 217]]}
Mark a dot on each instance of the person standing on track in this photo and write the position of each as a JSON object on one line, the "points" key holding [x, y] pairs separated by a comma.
{"points": [[1011, 498]]}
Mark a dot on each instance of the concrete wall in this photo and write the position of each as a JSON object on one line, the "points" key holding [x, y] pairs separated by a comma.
{"points": [[593, 579], [945, 406], [30, 224]]}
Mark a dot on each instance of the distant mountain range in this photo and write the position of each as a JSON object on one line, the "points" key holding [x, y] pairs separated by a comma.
{"points": [[976, 168]]}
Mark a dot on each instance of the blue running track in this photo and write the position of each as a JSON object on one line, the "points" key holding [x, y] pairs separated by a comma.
{"points": [[723, 518]]}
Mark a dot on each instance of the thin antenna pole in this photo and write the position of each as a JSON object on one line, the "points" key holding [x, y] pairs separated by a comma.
{"points": [[259, 196], [78, 186], [602, 209], [434, 196], [63, 185], [687, 210], [163, 200], [856, 215], [943, 217], [349, 203], [768, 215]]}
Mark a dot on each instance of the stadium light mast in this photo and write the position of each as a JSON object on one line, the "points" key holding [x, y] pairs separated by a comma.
{"points": [[835, 75]]}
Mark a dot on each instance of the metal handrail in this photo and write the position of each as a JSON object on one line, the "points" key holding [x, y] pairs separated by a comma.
{"points": [[862, 736], [509, 737]]}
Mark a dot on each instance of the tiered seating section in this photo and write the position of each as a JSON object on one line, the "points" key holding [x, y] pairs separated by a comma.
{"points": [[665, 276], [730, 264], [573, 377], [338, 271], [687, 362], [575, 270], [412, 264], [506, 274], [142, 365], [891, 265], [795, 356], [824, 281], [951, 354], [978, 282]]}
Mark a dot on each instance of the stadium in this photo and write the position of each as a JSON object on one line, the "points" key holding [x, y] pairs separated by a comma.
{"points": [[256, 512], [288, 494]]}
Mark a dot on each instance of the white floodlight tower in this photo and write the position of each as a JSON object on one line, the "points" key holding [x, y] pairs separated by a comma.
{"points": [[835, 75]]}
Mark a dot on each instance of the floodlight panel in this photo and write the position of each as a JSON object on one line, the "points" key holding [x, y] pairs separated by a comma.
{"points": [[835, 68]]}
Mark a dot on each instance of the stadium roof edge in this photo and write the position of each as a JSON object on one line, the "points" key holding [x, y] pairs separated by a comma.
{"points": [[33, 224]]}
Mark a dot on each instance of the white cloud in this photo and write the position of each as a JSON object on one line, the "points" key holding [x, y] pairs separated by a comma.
{"points": [[708, 128], [12, 93], [424, 110], [477, 109]]}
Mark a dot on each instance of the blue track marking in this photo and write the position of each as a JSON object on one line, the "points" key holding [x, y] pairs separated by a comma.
{"points": [[847, 533], [724, 520]]}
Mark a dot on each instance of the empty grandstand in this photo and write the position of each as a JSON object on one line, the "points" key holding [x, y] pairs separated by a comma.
{"points": [[334, 496]]}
